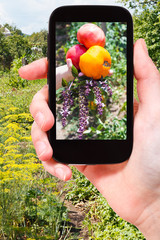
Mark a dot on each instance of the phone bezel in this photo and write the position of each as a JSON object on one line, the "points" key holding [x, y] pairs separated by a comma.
{"points": [[91, 151]]}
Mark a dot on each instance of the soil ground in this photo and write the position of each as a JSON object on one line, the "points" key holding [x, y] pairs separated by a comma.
{"points": [[76, 214]]}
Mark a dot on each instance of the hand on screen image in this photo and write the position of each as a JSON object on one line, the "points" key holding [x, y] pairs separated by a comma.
{"points": [[132, 188]]}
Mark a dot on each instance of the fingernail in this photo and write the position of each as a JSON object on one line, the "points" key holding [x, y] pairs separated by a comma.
{"points": [[39, 118], [59, 172], [40, 148]]}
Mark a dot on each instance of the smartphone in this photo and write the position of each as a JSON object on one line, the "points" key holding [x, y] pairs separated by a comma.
{"points": [[94, 109]]}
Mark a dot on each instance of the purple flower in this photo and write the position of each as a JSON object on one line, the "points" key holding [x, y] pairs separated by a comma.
{"points": [[98, 97], [83, 111], [87, 88], [106, 87], [67, 102]]}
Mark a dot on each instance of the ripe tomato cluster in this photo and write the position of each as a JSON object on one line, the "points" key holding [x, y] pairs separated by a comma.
{"points": [[90, 56]]}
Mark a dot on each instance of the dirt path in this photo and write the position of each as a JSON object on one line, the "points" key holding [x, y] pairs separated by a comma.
{"points": [[76, 214]]}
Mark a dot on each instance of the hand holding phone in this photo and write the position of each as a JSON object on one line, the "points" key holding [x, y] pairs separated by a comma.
{"points": [[132, 180]]}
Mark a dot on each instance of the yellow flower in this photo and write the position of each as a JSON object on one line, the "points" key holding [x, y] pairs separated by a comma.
{"points": [[28, 155], [1, 160], [11, 140], [12, 126], [12, 109], [27, 138]]}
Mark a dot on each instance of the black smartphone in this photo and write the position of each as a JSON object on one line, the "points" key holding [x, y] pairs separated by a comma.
{"points": [[93, 109]]}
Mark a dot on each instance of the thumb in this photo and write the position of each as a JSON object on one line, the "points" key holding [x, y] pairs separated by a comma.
{"points": [[147, 75]]}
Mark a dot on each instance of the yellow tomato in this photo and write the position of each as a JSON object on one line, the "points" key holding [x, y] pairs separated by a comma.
{"points": [[95, 62]]}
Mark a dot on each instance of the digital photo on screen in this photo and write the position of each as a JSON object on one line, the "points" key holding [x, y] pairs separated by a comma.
{"points": [[93, 105]]}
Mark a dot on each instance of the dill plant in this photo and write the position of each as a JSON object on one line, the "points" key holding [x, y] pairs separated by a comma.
{"points": [[30, 206]]}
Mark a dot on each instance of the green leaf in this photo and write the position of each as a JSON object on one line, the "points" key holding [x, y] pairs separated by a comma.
{"points": [[92, 129], [74, 71], [64, 82], [91, 96]]}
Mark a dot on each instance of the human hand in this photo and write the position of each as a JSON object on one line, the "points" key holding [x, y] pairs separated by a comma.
{"points": [[132, 188]]}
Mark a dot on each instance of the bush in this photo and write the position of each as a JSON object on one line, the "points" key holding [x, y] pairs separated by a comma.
{"points": [[15, 80]]}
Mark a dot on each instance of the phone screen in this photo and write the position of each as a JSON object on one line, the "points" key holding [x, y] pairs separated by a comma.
{"points": [[89, 108]]}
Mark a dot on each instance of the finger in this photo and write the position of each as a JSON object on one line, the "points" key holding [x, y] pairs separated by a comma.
{"points": [[45, 153], [148, 77], [41, 143], [40, 110], [59, 170], [35, 70], [69, 63]]}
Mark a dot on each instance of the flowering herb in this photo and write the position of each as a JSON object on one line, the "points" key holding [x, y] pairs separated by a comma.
{"points": [[83, 111], [88, 91], [106, 87], [67, 102], [65, 110], [98, 96]]}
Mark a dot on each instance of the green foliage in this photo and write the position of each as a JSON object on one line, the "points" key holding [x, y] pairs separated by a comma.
{"points": [[18, 45], [139, 4], [13, 29], [147, 24], [39, 40], [103, 223], [116, 43], [11, 47], [72, 34], [15, 80], [45, 212], [110, 130], [80, 188]]}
